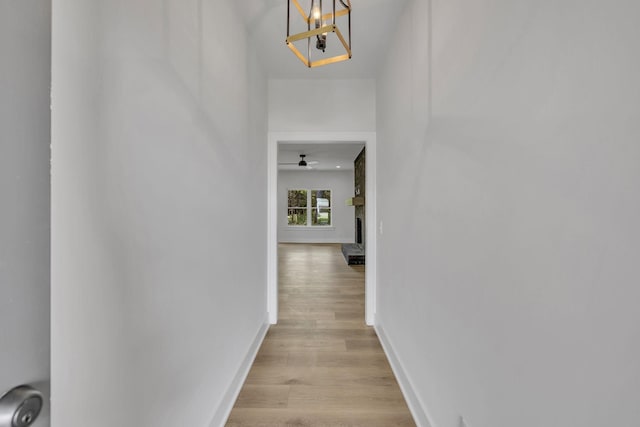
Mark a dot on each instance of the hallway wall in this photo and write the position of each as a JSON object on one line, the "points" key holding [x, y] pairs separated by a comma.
{"points": [[159, 148], [308, 105], [508, 190]]}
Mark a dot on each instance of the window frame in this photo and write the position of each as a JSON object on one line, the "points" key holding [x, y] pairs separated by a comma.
{"points": [[309, 223], [305, 208]]}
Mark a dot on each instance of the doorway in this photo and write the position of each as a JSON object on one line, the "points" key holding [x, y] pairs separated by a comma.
{"points": [[368, 139]]}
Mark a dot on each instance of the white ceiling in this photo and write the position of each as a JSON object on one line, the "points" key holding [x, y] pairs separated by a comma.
{"points": [[327, 155], [371, 22]]}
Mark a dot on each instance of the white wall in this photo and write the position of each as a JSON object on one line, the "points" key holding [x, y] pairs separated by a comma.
{"points": [[340, 183], [508, 267], [159, 147], [25, 76], [337, 105]]}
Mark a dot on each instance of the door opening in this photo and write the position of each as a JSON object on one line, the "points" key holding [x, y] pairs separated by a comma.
{"points": [[366, 230]]}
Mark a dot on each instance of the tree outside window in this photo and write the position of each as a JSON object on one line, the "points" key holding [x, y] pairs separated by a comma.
{"points": [[297, 207]]}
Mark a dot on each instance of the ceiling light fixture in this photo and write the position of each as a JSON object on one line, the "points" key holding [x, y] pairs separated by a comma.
{"points": [[323, 23]]}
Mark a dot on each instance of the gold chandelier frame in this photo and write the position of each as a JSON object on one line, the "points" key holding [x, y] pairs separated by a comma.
{"points": [[325, 29]]}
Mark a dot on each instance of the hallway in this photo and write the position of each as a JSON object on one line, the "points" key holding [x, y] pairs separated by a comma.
{"points": [[320, 365], [139, 184]]}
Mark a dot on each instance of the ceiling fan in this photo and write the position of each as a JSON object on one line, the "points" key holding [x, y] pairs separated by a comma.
{"points": [[301, 163]]}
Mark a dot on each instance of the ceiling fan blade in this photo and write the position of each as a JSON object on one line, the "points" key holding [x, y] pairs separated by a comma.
{"points": [[287, 164], [314, 162]]}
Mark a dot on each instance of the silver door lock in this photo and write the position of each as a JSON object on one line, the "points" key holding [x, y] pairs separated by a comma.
{"points": [[20, 407]]}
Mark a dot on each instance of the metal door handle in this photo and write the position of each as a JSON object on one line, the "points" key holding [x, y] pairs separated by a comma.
{"points": [[20, 407]]}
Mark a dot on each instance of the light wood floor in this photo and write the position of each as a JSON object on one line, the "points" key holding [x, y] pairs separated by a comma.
{"points": [[320, 365]]}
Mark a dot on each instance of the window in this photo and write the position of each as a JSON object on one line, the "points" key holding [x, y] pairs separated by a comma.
{"points": [[321, 207], [309, 208], [297, 212]]}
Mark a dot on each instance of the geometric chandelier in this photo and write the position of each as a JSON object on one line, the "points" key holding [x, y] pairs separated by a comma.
{"points": [[316, 25]]}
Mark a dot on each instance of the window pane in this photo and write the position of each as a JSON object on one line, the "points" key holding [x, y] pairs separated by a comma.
{"points": [[297, 198], [297, 217], [321, 198], [320, 216]]}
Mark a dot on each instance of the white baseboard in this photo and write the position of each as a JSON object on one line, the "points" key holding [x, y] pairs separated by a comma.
{"points": [[229, 399], [314, 240], [420, 415]]}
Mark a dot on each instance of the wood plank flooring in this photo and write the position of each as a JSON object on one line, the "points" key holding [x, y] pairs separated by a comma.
{"points": [[320, 365]]}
